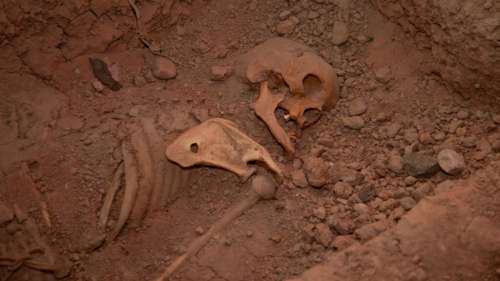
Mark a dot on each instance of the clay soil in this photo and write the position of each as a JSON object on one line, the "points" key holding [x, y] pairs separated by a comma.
{"points": [[61, 135]]}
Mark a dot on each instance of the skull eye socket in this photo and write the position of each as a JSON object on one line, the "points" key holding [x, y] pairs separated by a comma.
{"points": [[312, 87], [194, 148]]}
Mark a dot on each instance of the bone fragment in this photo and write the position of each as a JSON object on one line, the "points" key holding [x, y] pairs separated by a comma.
{"points": [[218, 142], [263, 187], [146, 176], [110, 195], [265, 106], [159, 160], [131, 187], [25, 172]]}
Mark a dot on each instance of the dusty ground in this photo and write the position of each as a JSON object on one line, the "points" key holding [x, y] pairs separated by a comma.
{"points": [[60, 138]]}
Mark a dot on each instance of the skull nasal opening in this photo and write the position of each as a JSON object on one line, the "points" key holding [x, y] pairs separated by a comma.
{"points": [[312, 87]]}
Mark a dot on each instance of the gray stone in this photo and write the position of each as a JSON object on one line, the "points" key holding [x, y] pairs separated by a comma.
{"points": [[163, 68], [340, 33], [357, 107], [355, 122], [451, 161], [418, 164]]}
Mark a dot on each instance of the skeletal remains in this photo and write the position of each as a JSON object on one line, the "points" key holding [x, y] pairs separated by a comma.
{"points": [[262, 187], [218, 142], [26, 246], [151, 181], [311, 81]]}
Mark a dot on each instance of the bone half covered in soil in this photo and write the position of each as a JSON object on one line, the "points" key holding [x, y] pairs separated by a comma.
{"points": [[110, 195], [311, 80], [131, 188], [151, 181], [218, 142], [262, 187], [146, 176], [27, 248]]}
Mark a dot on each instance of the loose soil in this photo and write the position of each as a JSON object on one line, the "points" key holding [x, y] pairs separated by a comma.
{"points": [[61, 134]]}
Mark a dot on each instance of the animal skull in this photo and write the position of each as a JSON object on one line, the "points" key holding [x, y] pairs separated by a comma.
{"points": [[311, 81], [218, 142]]}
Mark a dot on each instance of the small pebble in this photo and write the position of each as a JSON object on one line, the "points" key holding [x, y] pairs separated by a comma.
{"points": [[357, 107], [451, 161], [199, 230], [163, 68], [355, 122]]}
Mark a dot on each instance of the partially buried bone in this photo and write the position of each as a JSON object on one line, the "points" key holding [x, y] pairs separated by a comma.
{"points": [[311, 80], [110, 195], [146, 175], [263, 187], [265, 106], [131, 187], [218, 142], [28, 248], [151, 181]]}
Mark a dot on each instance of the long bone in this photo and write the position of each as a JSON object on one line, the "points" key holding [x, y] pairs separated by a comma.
{"points": [[262, 187]]}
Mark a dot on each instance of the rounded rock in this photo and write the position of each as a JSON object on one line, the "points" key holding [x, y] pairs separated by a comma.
{"points": [[355, 123], [451, 162], [163, 68], [316, 171], [357, 107]]}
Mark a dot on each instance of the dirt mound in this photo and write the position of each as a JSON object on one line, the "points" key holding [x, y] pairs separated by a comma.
{"points": [[463, 36], [446, 237]]}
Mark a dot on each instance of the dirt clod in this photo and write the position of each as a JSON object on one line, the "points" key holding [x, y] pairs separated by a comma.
{"points": [[316, 171]]}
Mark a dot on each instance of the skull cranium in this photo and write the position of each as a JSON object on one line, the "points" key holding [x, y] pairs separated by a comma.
{"points": [[312, 82]]}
